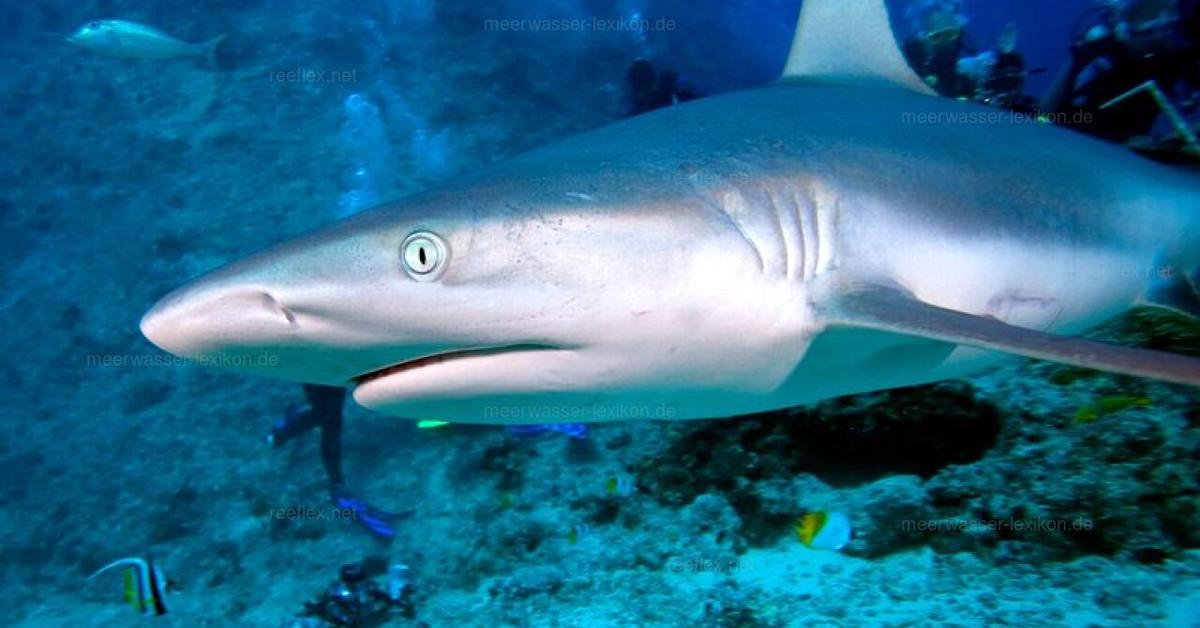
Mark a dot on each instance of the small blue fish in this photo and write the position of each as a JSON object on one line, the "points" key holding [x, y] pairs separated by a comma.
{"points": [[145, 584], [574, 430], [397, 582], [578, 532], [621, 486]]}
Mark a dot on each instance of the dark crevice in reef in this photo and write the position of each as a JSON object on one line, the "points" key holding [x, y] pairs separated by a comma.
{"points": [[506, 461], [913, 431], [845, 442]]}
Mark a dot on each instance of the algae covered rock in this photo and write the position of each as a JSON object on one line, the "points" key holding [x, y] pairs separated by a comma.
{"points": [[888, 515]]}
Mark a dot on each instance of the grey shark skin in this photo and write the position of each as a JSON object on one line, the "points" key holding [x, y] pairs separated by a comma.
{"points": [[837, 232]]}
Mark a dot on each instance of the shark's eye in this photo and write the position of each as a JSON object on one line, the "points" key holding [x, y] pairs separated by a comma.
{"points": [[423, 255]]}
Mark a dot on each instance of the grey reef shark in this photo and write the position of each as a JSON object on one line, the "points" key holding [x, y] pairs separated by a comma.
{"points": [[839, 231]]}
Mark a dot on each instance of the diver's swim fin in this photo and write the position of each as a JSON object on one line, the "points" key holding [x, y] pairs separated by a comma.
{"points": [[889, 309]]}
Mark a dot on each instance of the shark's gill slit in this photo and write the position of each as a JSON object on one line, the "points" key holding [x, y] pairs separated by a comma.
{"points": [[727, 204]]}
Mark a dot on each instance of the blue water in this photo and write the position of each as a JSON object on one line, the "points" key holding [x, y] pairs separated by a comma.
{"points": [[1035, 493]]}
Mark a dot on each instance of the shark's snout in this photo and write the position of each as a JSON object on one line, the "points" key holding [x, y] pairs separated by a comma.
{"points": [[198, 321]]}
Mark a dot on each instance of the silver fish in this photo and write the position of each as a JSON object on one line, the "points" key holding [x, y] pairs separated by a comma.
{"points": [[130, 40]]}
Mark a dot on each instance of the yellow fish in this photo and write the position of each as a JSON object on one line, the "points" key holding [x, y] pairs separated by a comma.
{"points": [[1109, 405], [145, 585], [621, 486], [825, 530]]}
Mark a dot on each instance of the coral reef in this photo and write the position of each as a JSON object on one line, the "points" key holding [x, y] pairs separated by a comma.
{"points": [[974, 502]]}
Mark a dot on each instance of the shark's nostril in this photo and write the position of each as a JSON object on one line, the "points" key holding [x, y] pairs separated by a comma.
{"points": [[276, 307]]}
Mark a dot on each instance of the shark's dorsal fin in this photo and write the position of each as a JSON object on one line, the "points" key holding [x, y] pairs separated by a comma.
{"points": [[889, 309], [849, 41]]}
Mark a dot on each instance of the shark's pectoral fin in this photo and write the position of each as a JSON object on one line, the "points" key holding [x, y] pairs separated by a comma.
{"points": [[849, 41], [889, 309]]}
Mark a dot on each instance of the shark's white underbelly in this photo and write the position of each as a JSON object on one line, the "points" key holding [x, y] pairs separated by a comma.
{"points": [[1045, 287]]}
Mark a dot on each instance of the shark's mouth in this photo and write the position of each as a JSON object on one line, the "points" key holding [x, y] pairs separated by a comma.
{"points": [[440, 358]]}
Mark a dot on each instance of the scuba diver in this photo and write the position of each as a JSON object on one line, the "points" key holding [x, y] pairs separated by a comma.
{"points": [[356, 599], [651, 89], [1003, 83], [324, 411], [939, 45], [1121, 49], [943, 54]]}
